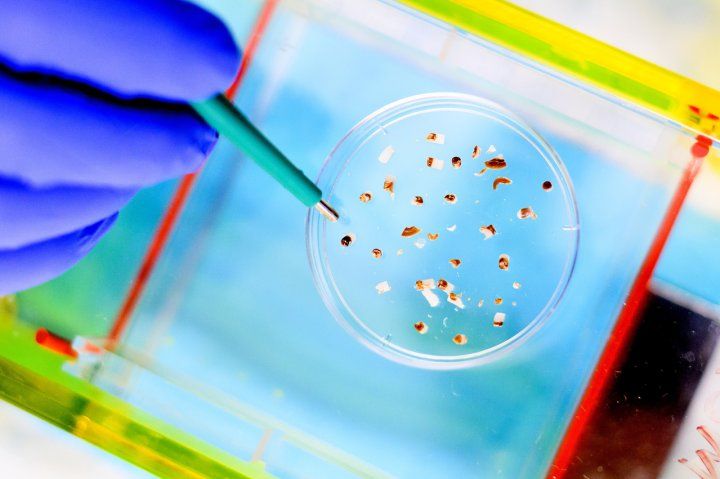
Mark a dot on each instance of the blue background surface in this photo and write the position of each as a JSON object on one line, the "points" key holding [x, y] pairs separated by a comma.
{"points": [[244, 317]]}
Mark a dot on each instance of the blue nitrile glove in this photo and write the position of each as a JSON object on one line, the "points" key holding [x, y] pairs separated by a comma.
{"points": [[93, 107]]}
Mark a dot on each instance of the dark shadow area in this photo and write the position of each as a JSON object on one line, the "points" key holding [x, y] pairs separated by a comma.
{"points": [[634, 429]]}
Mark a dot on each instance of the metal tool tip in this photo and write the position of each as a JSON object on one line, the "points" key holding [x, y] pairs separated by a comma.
{"points": [[327, 211]]}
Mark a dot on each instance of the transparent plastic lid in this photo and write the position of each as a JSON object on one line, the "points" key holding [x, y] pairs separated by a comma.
{"points": [[458, 231]]}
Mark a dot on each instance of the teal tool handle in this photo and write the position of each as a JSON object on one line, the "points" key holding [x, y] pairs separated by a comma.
{"points": [[222, 115]]}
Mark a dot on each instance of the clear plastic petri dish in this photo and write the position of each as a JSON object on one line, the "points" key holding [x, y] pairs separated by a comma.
{"points": [[457, 236]]}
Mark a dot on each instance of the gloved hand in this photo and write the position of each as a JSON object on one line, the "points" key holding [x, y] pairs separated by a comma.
{"points": [[93, 107]]}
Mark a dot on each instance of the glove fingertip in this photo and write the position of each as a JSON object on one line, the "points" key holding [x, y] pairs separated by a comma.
{"points": [[164, 49], [90, 235], [34, 264]]}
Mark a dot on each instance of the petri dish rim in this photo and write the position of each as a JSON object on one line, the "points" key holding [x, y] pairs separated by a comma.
{"points": [[365, 130]]}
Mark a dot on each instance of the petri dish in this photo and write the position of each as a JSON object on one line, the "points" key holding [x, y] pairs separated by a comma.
{"points": [[457, 236]]}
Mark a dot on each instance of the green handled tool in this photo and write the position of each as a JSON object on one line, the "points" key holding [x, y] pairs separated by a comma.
{"points": [[222, 115]]}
